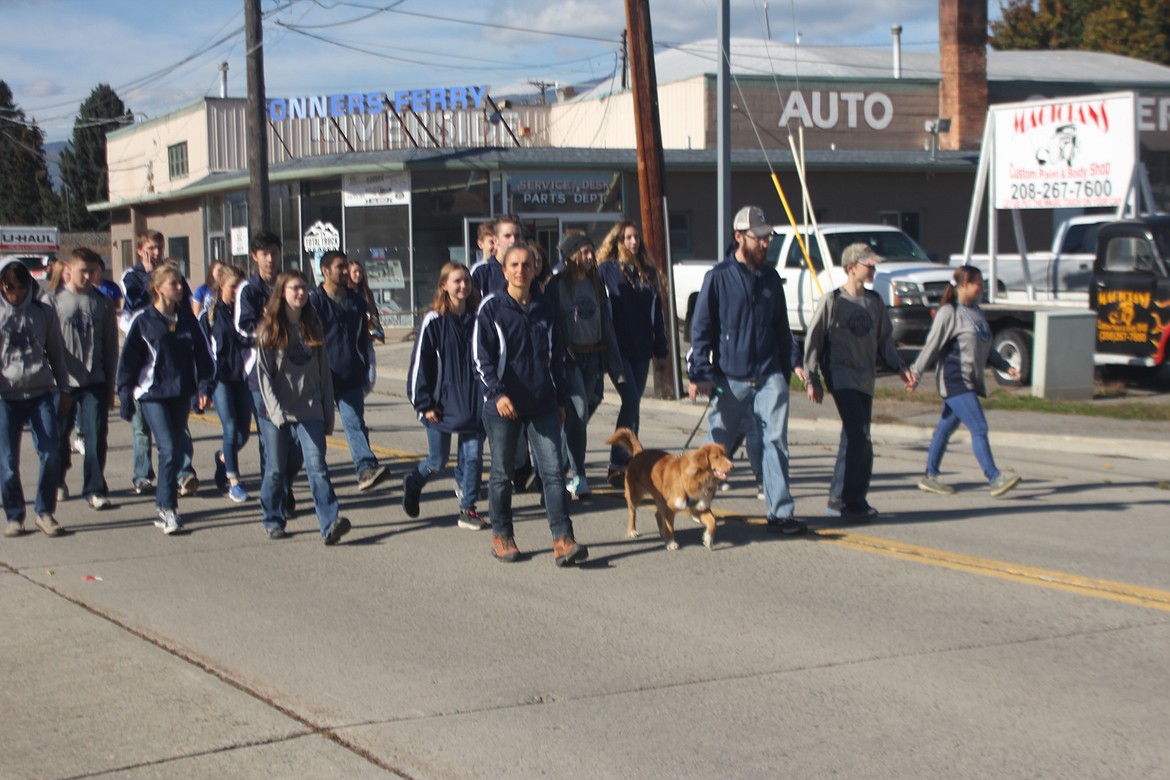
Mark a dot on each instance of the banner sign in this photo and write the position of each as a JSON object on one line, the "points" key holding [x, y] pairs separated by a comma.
{"points": [[376, 189], [1072, 152]]}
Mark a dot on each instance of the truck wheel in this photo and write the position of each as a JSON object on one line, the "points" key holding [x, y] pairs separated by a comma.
{"points": [[1016, 347]]}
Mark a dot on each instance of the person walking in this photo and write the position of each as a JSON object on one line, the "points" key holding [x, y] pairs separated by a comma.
{"points": [[446, 394], [520, 361], [296, 390], [741, 356], [32, 368], [850, 328], [634, 291], [960, 341], [165, 361], [89, 335], [343, 317], [233, 400], [577, 296]]}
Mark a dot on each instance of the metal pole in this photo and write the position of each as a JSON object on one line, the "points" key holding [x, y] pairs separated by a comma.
{"points": [[723, 132]]}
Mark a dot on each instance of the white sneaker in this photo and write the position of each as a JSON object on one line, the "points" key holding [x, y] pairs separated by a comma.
{"points": [[168, 521], [833, 509], [760, 493], [77, 444], [98, 502]]}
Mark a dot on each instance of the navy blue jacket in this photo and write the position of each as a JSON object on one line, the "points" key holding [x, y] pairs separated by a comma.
{"points": [[488, 276], [637, 313], [347, 337], [442, 375], [227, 347], [519, 354], [740, 325], [136, 292], [251, 298], [160, 365]]}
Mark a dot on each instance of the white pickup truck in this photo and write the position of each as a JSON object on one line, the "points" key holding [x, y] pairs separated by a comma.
{"points": [[1060, 273], [909, 283]]}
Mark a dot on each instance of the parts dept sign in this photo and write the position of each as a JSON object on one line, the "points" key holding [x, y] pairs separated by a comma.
{"points": [[1071, 152]]}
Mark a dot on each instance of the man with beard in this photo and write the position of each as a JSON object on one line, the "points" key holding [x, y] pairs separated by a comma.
{"points": [[742, 356]]}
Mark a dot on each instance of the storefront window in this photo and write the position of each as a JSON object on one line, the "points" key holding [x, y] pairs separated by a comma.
{"points": [[321, 223], [378, 237], [441, 202]]}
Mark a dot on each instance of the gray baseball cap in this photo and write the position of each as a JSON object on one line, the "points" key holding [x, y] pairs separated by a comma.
{"points": [[751, 219]]}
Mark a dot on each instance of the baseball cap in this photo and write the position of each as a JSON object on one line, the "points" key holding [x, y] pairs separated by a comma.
{"points": [[751, 219], [858, 253]]}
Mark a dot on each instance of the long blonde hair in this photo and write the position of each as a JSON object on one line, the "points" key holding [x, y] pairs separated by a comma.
{"points": [[613, 247], [442, 304], [224, 274], [273, 330]]}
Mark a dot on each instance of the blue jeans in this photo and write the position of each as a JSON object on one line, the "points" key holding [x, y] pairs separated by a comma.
{"points": [[856, 410], [764, 406], [630, 413], [40, 414], [468, 462], [292, 466], [278, 442], [233, 404], [544, 436], [966, 409], [168, 422], [90, 410], [351, 404], [141, 436], [586, 385]]}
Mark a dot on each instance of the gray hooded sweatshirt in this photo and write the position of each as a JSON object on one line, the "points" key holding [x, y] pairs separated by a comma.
{"points": [[32, 359]]}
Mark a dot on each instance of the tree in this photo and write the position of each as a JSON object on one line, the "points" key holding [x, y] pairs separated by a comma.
{"points": [[83, 167], [26, 190], [1135, 28]]}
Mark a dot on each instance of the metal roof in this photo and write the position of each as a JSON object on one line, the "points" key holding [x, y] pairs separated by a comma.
{"points": [[754, 57]]}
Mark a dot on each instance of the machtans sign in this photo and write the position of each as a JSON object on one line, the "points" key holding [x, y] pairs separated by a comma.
{"points": [[1064, 153]]}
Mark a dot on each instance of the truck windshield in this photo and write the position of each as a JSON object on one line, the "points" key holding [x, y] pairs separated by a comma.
{"points": [[891, 245]]}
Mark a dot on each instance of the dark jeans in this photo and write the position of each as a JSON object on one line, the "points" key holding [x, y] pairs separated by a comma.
{"points": [[630, 413], [544, 435], [40, 414], [856, 411], [90, 411], [167, 420]]}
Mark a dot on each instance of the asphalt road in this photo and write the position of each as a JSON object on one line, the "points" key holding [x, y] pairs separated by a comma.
{"points": [[958, 636]]}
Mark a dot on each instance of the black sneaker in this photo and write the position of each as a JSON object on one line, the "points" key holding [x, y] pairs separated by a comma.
{"points": [[339, 529], [411, 491], [290, 505], [789, 526], [861, 513], [276, 532], [371, 477], [221, 477]]}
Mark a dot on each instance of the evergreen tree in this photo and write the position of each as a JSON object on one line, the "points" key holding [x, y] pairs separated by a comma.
{"points": [[83, 167], [1134, 28], [26, 191]]}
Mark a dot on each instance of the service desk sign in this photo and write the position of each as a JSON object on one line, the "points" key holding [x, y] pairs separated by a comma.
{"points": [[1065, 153]]}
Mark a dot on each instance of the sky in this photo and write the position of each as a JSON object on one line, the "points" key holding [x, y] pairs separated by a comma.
{"points": [[159, 55]]}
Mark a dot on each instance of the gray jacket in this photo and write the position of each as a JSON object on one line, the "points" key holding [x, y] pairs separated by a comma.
{"points": [[960, 340], [32, 360], [853, 332], [89, 336], [295, 383]]}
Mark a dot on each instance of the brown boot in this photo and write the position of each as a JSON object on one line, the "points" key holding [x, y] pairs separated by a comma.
{"points": [[504, 548], [566, 551]]}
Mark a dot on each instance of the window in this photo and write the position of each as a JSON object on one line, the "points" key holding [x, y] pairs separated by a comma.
{"points": [[680, 234], [909, 222], [179, 248], [796, 254], [177, 160]]}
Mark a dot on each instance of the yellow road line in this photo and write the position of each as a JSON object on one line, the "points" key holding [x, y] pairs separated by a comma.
{"points": [[1108, 590]]}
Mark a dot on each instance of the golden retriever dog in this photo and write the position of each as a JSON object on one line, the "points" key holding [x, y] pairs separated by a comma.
{"points": [[675, 482]]}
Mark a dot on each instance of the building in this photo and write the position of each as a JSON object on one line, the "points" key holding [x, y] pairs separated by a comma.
{"points": [[401, 180]]}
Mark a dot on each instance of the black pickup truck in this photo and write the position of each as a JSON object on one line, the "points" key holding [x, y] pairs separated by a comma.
{"points": [[1131, 291]]}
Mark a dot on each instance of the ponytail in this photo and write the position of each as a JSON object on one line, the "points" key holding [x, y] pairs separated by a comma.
{"points": [[963, 275]]}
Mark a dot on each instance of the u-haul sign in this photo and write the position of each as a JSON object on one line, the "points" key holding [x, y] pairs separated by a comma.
{"points": [[40, 240]]}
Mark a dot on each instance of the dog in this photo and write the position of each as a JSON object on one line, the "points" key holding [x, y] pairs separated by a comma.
{"points": [[675, 482]]}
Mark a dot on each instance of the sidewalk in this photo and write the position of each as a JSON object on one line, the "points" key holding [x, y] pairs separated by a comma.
{"points": [[896, 420]]}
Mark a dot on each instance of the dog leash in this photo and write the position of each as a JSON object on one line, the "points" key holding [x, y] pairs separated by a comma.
{"points": [[702, 417]]}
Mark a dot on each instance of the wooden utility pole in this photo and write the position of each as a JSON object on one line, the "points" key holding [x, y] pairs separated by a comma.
{"points": [[256, 122], [651, 167]]}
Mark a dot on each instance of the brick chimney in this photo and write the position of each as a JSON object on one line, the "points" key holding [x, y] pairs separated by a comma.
{"points": [[962, 32]]}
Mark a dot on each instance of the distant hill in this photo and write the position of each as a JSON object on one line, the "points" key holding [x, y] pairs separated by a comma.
{"points": [[53, 158]]}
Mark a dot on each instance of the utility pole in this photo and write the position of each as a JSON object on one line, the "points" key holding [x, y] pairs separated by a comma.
{"points": [[651, 186], [256, 121]]}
